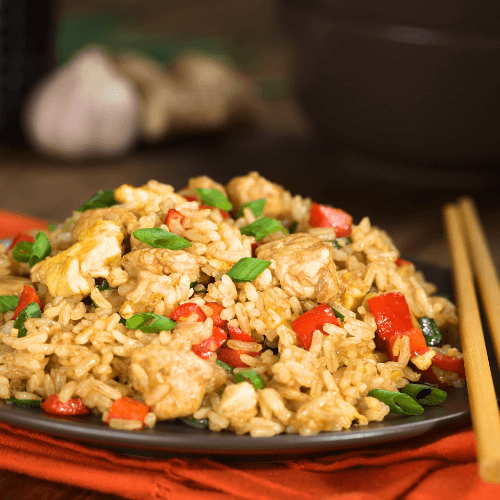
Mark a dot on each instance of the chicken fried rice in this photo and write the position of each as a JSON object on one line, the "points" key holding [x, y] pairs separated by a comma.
{"points": [[240, 306]]}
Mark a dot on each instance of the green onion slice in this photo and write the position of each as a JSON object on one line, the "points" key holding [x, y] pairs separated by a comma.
{"points": [[398, 402], [22, 251], [293, 228], [32, 310], [149, 323], [23, 402], [103, 285], [40, 250], [102, 199], [262, 227], [425, 394], [195, 422], [160, 238], [431, 331], [8, 303], [247, 269], [226, 367], [338, 314], [52, 227], [256, 206], [214, 198], [250, 376]]}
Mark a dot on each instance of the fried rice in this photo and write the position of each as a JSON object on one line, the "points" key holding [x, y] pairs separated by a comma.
{"points": [[81, 346]]}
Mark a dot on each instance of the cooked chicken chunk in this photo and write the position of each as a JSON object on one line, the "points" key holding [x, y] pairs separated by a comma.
{"points": [[204, 182], [90, 217], [173, 382], [12, 285], [239, 403], [304, 266], [147, 198], [72, 271], [162, 261]]}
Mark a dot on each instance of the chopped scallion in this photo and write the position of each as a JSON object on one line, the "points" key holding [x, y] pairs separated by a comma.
{"points": [[8, 303], [247, 269], [262, 227], [214, 198], [193, 284], [293, 228], [40, 250], [431, 331], [338, 314], [256, 206], [195, 422], [32, 310], [160, 238], [149, 323], [102, 199], [22, 251], [103, 285], [23, 402], [250, 376], [425, 394], [398, 402], [224, 365], [52, 227]]}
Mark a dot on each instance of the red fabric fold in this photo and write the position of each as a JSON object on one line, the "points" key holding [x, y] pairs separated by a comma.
{"points": [[433, 467]]}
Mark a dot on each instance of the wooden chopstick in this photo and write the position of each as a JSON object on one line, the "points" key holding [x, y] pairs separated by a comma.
{"points": [[482, 398]]}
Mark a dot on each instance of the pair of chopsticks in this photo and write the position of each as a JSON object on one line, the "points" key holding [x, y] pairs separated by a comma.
{"points": [[467, 244]]}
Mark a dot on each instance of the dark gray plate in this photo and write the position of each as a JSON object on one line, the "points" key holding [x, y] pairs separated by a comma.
{"points": [[169, 438]]}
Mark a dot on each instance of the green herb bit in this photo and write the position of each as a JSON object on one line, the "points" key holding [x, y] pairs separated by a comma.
{"points": [[149, 323], [22, 251], [226, 367], [193, 284], [23, 402], [102, 199], [293, 227], [247, 269], [398, 402], [338, 314], [103, 285], [425, 394], [52, 227], [214, 198], [256, 206], [195, 422], [32, 310], [250, 376], [431, 331], [40, 250], [8, 303], [160, 238], [339, 243], [262, 227]]}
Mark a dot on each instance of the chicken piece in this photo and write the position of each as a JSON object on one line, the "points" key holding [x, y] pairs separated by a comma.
{"points": [[72, 271], [205, 182], [304, 266], [147, 198], [173, 382], [90, 217], [239, 403], [250, 187], [13, 285], [162, 261]]}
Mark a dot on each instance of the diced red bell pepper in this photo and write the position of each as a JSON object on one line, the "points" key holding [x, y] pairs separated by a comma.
{"points": [[210, 345], [183, 311], [391, 313], [314, 319], [54, 406], [217, 310], [128, 409], [190, 198], [232, 357], [449, 363], [401, 262], [172, 215], [417, 343], [28, 295], [18, 238], [325, 216], [237, 334]]}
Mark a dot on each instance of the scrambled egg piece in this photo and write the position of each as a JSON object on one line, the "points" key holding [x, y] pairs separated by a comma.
{"points": [[147, 198], [72, 271], [123, 217]]}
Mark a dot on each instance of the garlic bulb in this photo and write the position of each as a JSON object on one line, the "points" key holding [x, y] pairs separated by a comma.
{"points": [[84, 109]]}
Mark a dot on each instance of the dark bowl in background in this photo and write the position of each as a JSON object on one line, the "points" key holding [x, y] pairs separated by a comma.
{"points": [[410, 82]]}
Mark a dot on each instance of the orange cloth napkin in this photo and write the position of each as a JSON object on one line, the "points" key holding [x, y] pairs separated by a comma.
{"points": [[425, 468]]}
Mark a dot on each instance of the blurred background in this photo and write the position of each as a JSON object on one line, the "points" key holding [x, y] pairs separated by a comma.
{"points": [[378, 110]]}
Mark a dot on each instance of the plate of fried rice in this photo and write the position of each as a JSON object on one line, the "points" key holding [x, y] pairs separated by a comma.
{"points": [[224, 319]]}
